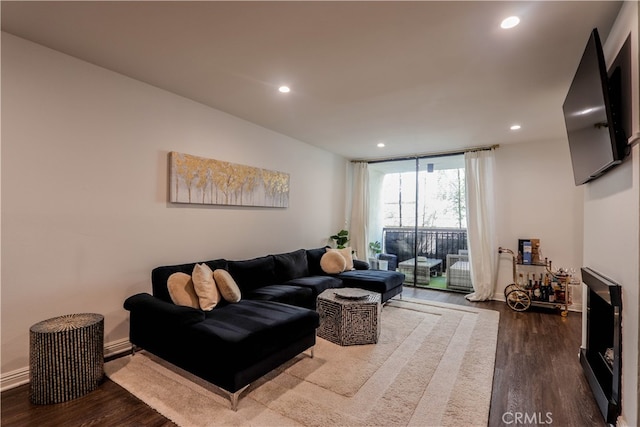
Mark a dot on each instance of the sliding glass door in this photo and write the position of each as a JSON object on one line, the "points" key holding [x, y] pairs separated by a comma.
{"points": [[418, 215]]}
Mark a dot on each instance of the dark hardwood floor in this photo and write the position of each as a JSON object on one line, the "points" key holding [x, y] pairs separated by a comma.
{"points": [[538, 377], [537, 381]]}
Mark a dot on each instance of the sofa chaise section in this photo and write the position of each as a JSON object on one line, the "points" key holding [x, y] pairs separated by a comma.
{"points": [[387, 283], [230, 346]]}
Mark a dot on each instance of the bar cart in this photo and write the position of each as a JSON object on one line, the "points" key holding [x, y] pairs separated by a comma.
{"points": [[538, 285]]}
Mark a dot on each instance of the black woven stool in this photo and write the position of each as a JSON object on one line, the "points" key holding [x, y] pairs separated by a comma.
{"points": [[66, 357]]}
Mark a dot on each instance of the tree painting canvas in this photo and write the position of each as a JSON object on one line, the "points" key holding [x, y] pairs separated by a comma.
{"points": [[198, 180]]}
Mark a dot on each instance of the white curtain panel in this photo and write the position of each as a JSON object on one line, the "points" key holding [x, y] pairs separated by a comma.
{"points": [[360, 210], [376, 207], [481, 235]]}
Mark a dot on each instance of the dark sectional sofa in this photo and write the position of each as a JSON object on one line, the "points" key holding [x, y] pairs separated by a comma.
{"points": [[235, 344]]}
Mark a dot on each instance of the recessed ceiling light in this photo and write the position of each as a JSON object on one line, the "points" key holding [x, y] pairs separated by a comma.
{"points": [[510, 22], [284, 89], [380, 144], [515, 127]]}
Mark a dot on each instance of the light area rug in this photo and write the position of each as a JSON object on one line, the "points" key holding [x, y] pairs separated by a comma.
{"points": [[432, 366]]}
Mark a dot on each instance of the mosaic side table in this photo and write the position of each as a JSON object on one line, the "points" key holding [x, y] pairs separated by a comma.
{"points": [[66, 356], [349, 316]]}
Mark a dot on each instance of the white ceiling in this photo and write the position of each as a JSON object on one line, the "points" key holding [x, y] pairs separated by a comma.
{"points": [[422, 77]]}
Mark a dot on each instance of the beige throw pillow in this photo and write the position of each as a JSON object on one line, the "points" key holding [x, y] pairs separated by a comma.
{"points": [[205, 286], [228, 287], [181, 290], [332, 262], [347, 254]]}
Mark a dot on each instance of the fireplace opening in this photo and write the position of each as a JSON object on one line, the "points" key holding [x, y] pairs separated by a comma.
{"points": [[601, 360]]}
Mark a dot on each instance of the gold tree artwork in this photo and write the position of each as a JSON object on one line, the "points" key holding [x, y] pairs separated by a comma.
{"points": [[213, 182]]}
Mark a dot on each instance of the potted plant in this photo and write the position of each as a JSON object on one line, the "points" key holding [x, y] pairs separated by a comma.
{"points": [[375, 248], [341, 238]]}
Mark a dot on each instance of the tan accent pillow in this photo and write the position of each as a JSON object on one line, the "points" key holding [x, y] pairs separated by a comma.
{"points": [[228, 287], [347, 253], [332, 262], [181, 290], [205, 287]]}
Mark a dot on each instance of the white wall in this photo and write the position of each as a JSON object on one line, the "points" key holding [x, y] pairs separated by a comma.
{"points": [[612, 222], [84, 191], [536, 198]]}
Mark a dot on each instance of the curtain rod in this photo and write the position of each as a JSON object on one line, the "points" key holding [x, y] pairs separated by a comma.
{"points": [[428, 155]]}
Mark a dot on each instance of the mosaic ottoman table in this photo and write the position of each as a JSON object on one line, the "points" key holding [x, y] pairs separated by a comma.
{"points": [[349, 316]]}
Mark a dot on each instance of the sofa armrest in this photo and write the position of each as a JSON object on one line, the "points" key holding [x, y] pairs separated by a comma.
{"points": [[391, 259], [156, 310], [360, 265]]}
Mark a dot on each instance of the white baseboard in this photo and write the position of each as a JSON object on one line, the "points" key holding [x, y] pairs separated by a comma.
{"points": [[115, 348], [20, 376], [14, 379], [498, 296]]}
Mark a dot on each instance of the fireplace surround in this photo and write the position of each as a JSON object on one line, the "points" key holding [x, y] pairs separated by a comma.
{"points": [[601, 359]]}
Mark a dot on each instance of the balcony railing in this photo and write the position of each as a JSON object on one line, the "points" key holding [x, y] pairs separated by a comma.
{"points": [[432, 242]]}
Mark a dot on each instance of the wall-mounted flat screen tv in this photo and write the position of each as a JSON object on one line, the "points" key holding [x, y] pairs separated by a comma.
{"points": [[591, 112]]}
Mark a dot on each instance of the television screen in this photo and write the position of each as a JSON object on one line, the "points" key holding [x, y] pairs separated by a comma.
{"points": [[589, 117]]}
